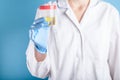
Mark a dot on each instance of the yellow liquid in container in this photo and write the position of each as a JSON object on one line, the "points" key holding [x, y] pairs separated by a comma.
{"points": [[50, 20]]}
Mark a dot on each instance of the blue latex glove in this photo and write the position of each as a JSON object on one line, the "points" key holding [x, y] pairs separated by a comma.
{"points": [[39, 34]]}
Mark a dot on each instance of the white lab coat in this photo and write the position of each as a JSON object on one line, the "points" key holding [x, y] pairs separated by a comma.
{"points": [[89, 50]]}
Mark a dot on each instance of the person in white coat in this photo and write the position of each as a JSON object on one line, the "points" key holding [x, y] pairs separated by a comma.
{"points": [[83, 45]]}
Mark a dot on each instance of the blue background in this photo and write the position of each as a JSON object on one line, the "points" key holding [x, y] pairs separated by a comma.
{"points": [[16, 17]]}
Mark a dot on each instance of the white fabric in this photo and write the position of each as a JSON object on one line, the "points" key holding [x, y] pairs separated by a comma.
{"points": [[89, 50]]}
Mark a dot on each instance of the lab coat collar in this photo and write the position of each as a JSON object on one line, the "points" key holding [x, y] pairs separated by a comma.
{"points": [[70, 14], [64, 4]]}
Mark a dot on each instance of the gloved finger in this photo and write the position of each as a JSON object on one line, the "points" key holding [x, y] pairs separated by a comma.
{"points": [[39, 20], [40, 25], [32, 34]]}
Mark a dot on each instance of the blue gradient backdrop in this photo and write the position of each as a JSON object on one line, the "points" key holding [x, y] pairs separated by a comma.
{"points": [[16, 17]]}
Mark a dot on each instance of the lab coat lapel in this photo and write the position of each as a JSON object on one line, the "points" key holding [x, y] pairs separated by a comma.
{"points": [[63, 4], [72, 17], [69, 13]]}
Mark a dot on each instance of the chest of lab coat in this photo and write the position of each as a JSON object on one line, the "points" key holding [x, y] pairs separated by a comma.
{"points": [[80, 51]]}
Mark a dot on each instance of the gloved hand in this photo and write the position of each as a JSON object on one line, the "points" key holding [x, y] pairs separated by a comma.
{"points": [[39, 34]]}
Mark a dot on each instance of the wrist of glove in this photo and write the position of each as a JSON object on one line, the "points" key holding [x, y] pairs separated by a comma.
{"points": [[39, 34], [40, 49]]}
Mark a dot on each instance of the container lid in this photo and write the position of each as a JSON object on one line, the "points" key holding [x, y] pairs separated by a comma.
{"points": [[44, 7]]}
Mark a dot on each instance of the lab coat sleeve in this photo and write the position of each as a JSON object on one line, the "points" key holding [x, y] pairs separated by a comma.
{"points": [[37, 69], [114, 56]]}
